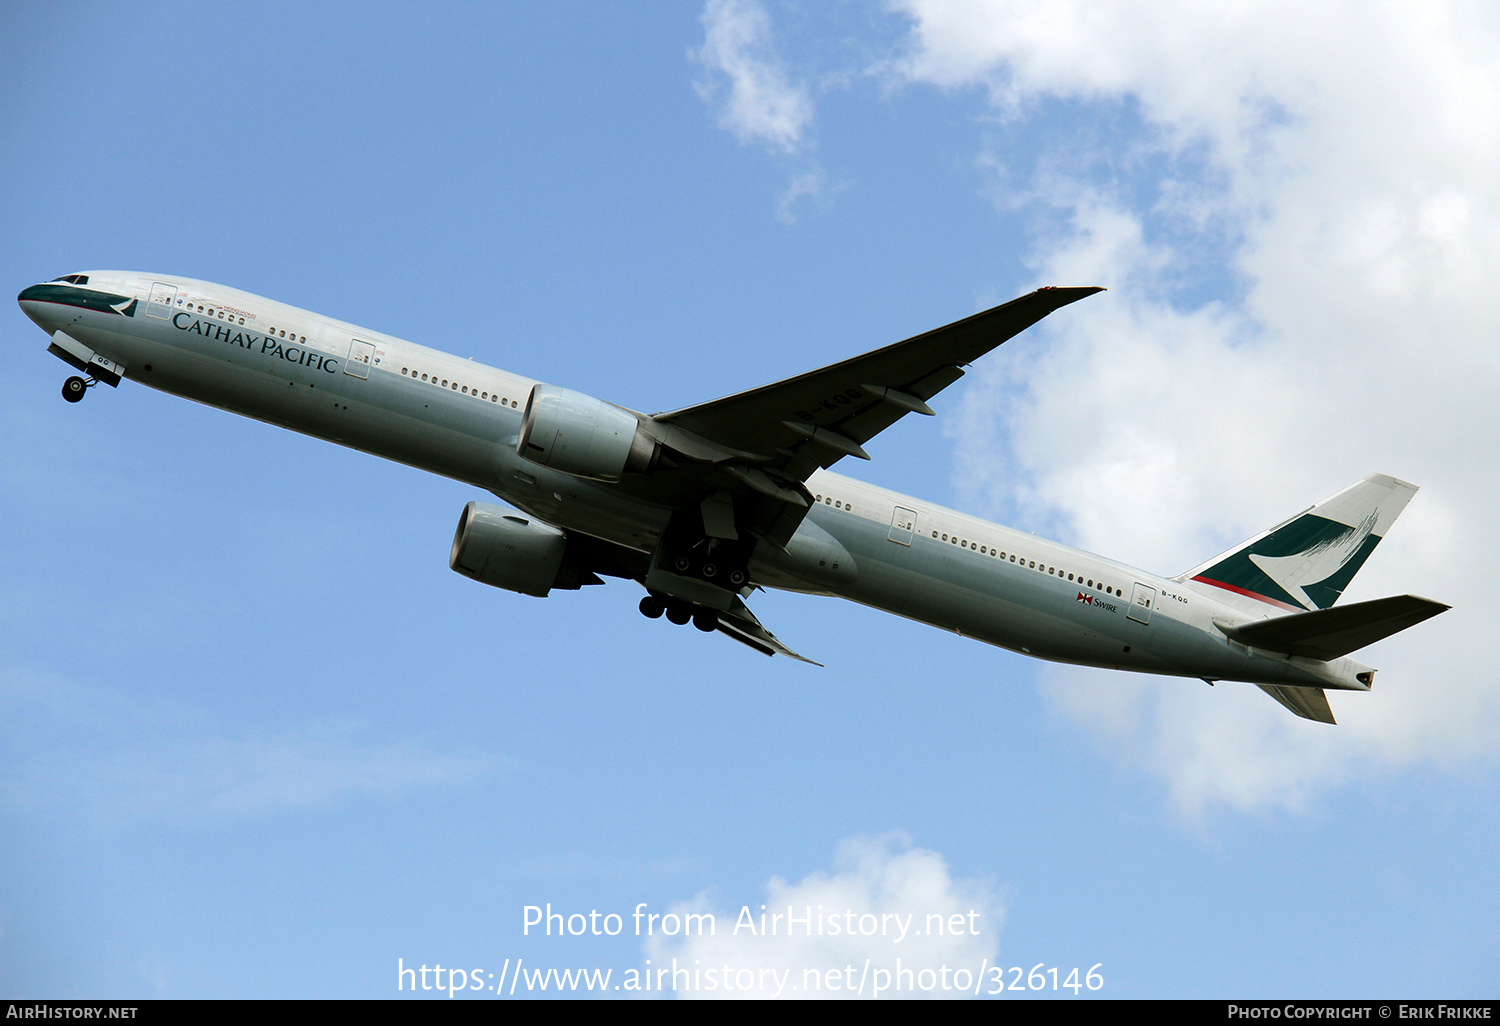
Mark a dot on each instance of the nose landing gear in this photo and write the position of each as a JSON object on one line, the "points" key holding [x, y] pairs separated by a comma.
{"points": [[74, 388]]}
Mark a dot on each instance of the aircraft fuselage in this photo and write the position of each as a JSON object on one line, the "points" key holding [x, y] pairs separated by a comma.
{"points": [[462, 419]]}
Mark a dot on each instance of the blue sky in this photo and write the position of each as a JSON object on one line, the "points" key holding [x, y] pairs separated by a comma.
{"points": [[257, 740]]}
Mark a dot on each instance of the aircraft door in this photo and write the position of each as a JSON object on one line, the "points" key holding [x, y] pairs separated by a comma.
{"points": [[163, 298], [903, 524], [360, 356], [1140, 603]]}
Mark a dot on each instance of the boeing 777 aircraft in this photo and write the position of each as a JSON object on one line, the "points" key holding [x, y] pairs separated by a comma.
{"points": [[703, 505]]}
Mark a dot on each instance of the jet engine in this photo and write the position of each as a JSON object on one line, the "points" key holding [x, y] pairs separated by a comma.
{"points": [[497, 547], [583, 436]]}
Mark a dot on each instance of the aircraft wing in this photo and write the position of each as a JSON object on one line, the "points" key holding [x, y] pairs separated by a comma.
{"points": [[741, 625], [733, 470], [794, 426]]}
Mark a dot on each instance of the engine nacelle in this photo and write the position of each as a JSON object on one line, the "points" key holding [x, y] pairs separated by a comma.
{"points": [[496, 547], [583, 436]]}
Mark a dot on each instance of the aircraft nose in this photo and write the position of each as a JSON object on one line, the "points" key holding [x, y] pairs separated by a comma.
{"points": [[32, 300]]}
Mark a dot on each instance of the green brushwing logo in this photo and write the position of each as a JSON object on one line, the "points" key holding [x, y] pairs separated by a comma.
{"points": [[1305, 564]]}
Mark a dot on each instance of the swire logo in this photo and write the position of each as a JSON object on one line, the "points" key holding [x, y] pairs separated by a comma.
{"points": [[1097, 602]]}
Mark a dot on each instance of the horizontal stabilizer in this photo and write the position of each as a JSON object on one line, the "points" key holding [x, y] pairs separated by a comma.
{"points": [[1309, 703], [1329, 633]]}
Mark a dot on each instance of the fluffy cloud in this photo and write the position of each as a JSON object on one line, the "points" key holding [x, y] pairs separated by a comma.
{"points": [[745, 79], [755, 96], [1337, 162], [877, 885]]}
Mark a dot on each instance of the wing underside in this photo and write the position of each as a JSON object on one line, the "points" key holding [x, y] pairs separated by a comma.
{"points": [[741, 625], [794, 426], [733, 471]]}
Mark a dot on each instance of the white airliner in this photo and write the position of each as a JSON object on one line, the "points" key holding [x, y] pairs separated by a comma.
{"points": [[703, 505]]}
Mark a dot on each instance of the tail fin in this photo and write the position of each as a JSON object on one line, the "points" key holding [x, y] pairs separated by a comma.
{"points": [[1306, 562]]}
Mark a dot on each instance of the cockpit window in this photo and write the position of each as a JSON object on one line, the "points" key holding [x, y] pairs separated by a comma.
{"points": [[75, 279]]}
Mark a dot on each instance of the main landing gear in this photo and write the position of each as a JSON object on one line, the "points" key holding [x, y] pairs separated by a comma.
{"points": [[680, 612], [74, 388]]}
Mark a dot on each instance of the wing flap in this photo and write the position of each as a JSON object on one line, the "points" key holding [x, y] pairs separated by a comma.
{"points": [[1329, 633], [741, 625]]}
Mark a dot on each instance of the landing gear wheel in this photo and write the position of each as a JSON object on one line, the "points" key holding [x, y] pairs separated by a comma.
{"points": [[653, 607], [736, 577], [74, 388], [706, 621], [679, 614], [709, 570]]}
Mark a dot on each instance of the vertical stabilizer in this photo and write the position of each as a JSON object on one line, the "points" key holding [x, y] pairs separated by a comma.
{"points": [[1306, 562]]}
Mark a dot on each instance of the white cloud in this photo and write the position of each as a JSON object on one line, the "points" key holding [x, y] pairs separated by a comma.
{"points": [[1344, 153], [892, 917], [807, 184], [756, 98]]}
